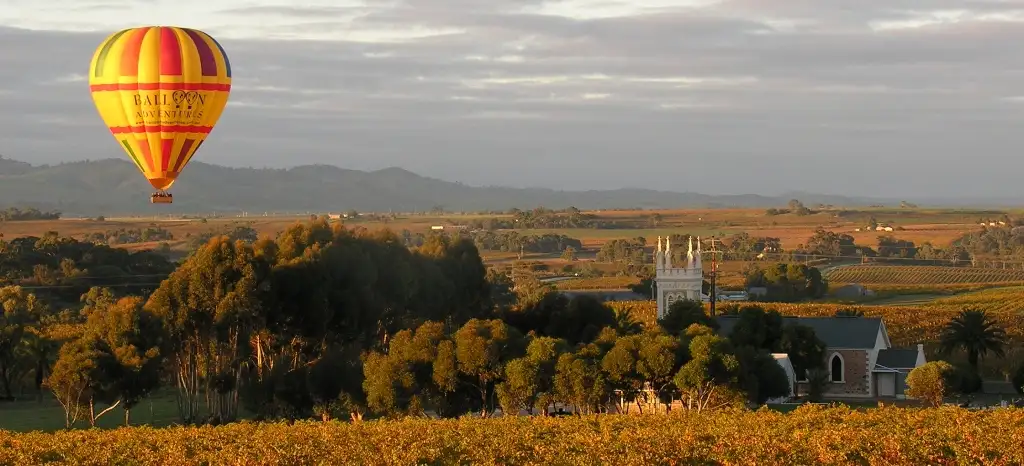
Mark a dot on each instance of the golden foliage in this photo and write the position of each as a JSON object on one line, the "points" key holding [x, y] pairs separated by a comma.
{"points": [[597, 283], [809, 435]]}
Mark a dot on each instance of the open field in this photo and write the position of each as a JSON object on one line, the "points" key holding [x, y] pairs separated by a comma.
{"points": [[810, 435], [158, 410]]}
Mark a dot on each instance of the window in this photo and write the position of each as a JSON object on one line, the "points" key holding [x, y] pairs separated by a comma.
{"points": [[836, 366]]}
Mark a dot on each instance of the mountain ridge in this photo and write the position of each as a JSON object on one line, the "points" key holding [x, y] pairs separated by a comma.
{"points": [[114, 186]]}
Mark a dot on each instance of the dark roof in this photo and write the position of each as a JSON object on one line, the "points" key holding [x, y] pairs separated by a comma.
{"points": [[835, 332], [897, 358]]}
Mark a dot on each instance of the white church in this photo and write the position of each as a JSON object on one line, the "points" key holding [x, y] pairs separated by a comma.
{"points": [[673, 283]]}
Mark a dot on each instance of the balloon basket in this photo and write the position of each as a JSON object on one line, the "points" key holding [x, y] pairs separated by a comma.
{"points": [[161, 198]]}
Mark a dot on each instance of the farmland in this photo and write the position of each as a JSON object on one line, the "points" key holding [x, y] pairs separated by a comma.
{"points": [[936, 226], [922, 275], [810, 435]]}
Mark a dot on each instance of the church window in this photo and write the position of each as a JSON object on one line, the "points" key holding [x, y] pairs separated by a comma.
{"points": [[836, 365]]}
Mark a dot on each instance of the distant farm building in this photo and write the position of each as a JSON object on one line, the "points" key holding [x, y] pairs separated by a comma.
{"points": [[853, 290]]}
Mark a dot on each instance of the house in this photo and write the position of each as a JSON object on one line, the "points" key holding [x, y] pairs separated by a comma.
{"points": [[859, 358], [852, 290]]}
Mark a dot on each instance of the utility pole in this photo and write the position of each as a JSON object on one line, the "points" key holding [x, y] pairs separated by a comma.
{"points": [[714, 274]]}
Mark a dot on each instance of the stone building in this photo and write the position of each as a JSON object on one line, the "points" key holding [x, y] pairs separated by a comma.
{"points": [[674, 283]]}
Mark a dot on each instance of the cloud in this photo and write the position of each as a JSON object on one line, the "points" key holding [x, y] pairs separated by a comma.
{"points": [[847, 96]]}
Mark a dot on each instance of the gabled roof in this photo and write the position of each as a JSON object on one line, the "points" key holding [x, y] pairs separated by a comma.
{"points": [[835, 332], [897, 358]]}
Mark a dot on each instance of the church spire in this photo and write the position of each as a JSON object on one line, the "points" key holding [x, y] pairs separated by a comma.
{"points": [[668, 252]]}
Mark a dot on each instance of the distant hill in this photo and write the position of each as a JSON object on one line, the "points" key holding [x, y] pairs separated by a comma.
{"points": [[113, 186]]}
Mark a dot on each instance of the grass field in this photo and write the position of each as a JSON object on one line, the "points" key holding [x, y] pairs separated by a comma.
{"points": [[47, 415]]}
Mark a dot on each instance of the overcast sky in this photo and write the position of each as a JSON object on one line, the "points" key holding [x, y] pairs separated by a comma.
{"points": [[884, 97]]}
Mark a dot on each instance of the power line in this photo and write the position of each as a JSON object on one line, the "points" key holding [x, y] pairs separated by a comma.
{"points": [[120, 285]]}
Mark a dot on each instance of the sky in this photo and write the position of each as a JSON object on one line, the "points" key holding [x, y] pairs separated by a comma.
{"points": [[910, 98]]}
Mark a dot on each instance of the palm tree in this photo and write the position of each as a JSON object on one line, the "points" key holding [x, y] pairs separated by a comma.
{"points": [[975, 333], [625, 323]]}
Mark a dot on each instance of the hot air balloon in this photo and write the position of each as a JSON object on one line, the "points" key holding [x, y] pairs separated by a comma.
{"points": [[160, 90]]}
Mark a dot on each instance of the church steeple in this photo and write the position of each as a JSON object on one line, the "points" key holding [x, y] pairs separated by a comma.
{"points": [[668, 252], [659, 260], [683, 281], [697, 257]]}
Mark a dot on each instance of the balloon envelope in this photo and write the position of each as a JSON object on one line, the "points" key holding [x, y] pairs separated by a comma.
{"points": [[160, 90]]}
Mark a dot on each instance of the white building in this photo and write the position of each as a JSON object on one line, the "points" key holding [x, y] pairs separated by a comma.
{"points": [[675, 283]]}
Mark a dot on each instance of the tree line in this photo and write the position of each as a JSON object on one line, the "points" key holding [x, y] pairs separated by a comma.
{"points": [[14, 214], [541, 217], [66, 268], [130, 236], [324, 321]]}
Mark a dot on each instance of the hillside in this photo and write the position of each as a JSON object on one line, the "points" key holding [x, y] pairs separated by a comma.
{"points": [[114, 186]]}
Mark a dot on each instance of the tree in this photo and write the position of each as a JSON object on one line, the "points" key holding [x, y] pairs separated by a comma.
{"points": [[580, 321], [643, 362], [711, 377], [211, 305], [682, 314], [625, 323], [501, 288], [579, 380], [806, 351], [818, 380], [21, 312], [73, 376], [1018, 379], [761, 377], [931, 382], [482, 348], [569, 254], [974, 332], [529, 380], [129, 339], [758, 328], [402, 379]]}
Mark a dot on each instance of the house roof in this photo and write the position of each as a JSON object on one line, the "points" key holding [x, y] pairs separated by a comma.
{"points": [[835, 332], [897, 358]]}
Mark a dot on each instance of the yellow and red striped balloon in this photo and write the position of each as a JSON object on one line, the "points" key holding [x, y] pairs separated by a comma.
{"points": [[160, 90]]}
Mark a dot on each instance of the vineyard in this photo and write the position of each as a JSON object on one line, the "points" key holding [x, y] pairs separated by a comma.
{"points": [[597, 283], [916, 275], [809, 435], [1009, 300], [907, 325]]}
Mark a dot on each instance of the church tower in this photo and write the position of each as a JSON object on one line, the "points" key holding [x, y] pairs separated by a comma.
{"points": [[674, 283]]}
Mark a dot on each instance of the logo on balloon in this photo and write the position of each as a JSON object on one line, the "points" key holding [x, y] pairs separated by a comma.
{"points": [[189, 97], [178, 96]]}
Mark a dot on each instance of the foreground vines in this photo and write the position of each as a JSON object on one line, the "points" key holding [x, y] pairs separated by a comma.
{"points": [[810, 435]]}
